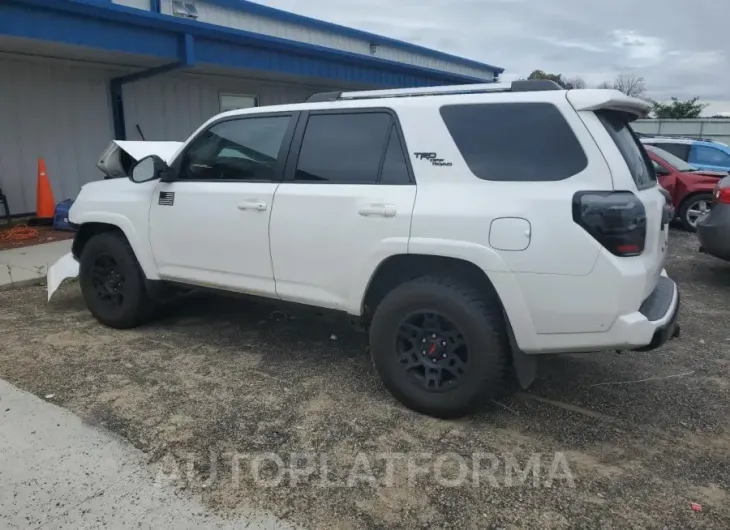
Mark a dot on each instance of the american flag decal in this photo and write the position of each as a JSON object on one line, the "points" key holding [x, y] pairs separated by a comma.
{"points": [[167, 198]]}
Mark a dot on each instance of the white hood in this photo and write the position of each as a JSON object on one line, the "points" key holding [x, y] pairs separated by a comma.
{"points": [[118, 157], [139, 150]]}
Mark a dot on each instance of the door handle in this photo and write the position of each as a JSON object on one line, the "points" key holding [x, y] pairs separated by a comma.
{"points": [[377, 210], [259, 206]]}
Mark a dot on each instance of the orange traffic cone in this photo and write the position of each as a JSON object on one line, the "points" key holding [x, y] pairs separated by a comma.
{"points": [[45, 205]]}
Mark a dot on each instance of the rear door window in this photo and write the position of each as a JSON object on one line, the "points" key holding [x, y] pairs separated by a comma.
{"points": [[395, 166], [343, 148], [678, 150], [515, 141], [639, 163]]}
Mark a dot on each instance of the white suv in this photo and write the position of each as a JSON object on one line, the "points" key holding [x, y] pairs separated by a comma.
{"points": [[471, 228]]}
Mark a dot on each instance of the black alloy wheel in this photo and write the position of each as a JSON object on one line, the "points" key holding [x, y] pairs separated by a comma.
{"points": [[108, 281], [113, 283], [433, 351]]}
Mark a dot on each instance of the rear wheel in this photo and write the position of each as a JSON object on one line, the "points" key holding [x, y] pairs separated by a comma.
{"points": [[693, 208], [440, 347], [112, 282]]}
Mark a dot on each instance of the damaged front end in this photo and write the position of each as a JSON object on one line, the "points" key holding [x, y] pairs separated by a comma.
{"points": [[65, 267], [115, 162], [120, 155]]}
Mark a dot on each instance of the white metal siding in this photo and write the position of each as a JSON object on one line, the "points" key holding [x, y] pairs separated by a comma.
{"points": [[171, 107], [55, 111], [60, 111], [717, 129], [139, 4], [233, 18]]}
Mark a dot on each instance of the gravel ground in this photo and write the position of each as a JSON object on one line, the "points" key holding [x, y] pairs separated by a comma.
{"points": [[642, 435]]}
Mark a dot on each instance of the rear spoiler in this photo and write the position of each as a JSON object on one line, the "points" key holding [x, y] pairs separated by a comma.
{"points": [[119, 156], [600, 99]]}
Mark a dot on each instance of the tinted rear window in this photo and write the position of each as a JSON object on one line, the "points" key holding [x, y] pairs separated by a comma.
{"points": [[343, 148], [639, 163], [515, 141]]}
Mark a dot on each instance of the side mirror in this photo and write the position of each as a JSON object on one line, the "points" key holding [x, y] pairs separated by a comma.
{"points": [[148, 168], [660, 170]]}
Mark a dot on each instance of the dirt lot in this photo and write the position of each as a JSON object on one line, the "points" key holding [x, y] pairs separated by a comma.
{"points": [[643, 434]]}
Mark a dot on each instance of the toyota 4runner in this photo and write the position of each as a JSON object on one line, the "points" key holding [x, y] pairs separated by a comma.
{"points": [[471, 228]]}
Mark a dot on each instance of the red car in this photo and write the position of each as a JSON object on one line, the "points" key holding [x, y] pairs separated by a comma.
{"points": [[691, 188]]}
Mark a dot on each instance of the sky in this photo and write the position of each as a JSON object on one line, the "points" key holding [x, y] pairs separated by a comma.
{"points": [[680, 47]]}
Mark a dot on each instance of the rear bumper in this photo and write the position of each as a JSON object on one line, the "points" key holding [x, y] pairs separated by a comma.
{"points": [[713, 232], [664, 303], [647, 328]]}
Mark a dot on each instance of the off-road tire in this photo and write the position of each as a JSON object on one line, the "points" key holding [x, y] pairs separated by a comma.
{"points": [[481, 322], [136, 307]]}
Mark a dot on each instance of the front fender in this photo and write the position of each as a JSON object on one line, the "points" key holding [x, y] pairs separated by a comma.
{"points": [[124, 204], [138, 241]]}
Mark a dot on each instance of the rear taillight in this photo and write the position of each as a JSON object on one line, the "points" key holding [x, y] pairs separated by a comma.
{"points": [[616, 219], [722, 191]]}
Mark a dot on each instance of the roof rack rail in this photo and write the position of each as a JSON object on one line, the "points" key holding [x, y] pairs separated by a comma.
{"points": [[530, 85], [320, 97]]}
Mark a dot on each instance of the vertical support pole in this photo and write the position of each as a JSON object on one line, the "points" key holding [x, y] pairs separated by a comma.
{"points": [[186, 50], [120, 129]]}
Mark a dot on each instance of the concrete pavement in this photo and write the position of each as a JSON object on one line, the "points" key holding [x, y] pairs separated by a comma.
{"points": [[58, 472], [27, 265]]}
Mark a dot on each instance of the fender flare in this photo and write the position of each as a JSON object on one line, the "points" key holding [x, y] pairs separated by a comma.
{"points": [[140, 246], [491, 264]]}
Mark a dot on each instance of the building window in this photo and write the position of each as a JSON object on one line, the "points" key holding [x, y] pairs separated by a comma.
{"points": [[184, 8], [237, 101]]}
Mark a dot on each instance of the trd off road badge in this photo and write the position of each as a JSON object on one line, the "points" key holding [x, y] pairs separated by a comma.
{"points": [[433, 158]]}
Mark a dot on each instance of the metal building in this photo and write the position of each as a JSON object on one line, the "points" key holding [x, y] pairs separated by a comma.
{"points": [[75, 74]]}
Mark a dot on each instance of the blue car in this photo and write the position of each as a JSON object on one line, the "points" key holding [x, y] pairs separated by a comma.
{"points": [[702, 154]]}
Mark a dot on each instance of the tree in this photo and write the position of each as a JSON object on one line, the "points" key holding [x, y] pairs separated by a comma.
{"points": [[678, 109], [574, 82], [539, 74], [631, 85]]}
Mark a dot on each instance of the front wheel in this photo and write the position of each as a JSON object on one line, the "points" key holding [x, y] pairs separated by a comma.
{"points": [[440, 347], [693, 208], [112, 282]]}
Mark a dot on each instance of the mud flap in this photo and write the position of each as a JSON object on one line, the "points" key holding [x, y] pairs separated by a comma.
{"points": [[65, 267], [525, 365]]}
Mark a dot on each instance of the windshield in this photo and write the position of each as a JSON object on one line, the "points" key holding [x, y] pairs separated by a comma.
{"points": [[669, 158]]}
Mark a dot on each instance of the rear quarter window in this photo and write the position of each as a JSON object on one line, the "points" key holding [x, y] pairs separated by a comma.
{"points": [[633, 153], [528, 142]]}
